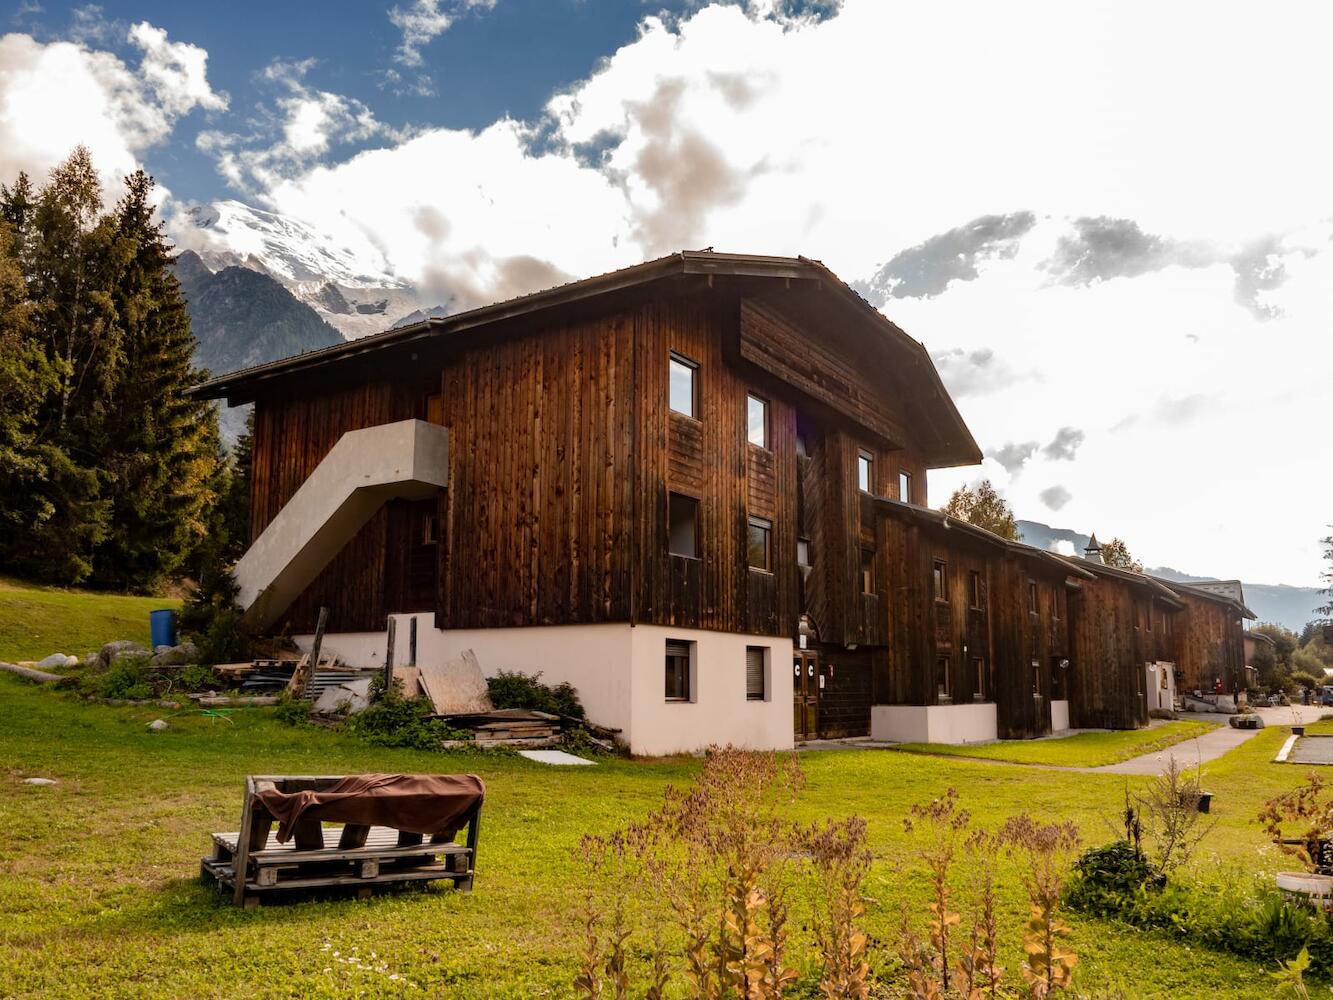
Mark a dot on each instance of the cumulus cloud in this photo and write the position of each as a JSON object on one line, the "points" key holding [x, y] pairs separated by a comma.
{"points": [[56, 95], [926, 269], [1065, 444], [975, 372], [1055, 497], [1013, 455]]}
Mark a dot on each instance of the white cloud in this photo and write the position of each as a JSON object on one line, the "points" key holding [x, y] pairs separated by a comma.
{"points": [[421, 22], [56, 95]]}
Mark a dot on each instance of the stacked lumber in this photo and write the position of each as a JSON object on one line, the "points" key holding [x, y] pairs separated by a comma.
{"points": [[512, 727]]}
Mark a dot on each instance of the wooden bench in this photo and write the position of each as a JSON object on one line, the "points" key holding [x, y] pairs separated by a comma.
{"points": [[360, 858]]}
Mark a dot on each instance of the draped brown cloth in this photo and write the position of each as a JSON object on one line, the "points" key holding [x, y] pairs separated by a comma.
{"points": [[417, 803]]}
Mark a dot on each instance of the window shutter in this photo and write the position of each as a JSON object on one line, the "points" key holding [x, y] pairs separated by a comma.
{"points": [[674, 647], [754, 672]]}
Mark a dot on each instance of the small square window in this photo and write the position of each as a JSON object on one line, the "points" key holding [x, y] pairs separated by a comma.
{"points": [[756, 671], [803, 552], [940, 580], [678, 656], [683, 515], [975, 591], [865, 472], [867, 571], [684, 379], [759, 543], [905, 487], [756, 421]]}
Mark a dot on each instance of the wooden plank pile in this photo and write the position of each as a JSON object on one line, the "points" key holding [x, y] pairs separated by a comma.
{"points": [[507, 727]]}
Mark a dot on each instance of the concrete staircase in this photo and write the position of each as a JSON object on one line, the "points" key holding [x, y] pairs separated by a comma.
{"points": [[408, 459]]}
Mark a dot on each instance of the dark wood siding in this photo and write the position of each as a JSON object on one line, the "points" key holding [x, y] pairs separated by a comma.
{"points": [[1108, 656], [1210, 644]]}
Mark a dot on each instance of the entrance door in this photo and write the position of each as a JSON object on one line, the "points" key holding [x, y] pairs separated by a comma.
{"points": [[805, 690]]}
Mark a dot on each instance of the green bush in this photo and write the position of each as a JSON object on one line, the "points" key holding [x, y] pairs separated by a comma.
{"points": [[395, 721], [128, 678], [211, 618], [1107, 880], [292, 711], [515, 690], [196, 677]]}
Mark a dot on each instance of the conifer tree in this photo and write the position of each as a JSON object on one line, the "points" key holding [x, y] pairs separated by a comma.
{"points": [[158, 446]]}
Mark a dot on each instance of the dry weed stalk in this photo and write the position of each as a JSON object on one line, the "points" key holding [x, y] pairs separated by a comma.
{"points": [[977, 968], [841, 862], [1313, 808], [1175, 825], [946, 829], [1046, 850]]}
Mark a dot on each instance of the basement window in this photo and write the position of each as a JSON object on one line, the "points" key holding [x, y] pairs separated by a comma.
{"points": [[679, 655], [683, 516], [905, 487], [865, 472], [756, 673], [759, 546], [684, 385], [756, 420]]}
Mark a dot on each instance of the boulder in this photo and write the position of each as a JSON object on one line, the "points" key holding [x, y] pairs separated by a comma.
{"points": [[119, 647], [157, 725], [1246, 720], [353, 697], [168, 656], [39, 781], [190, 651], [55, 661]]}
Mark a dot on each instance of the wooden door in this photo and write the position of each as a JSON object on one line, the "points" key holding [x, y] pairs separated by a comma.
{"points": [[805, 690]]}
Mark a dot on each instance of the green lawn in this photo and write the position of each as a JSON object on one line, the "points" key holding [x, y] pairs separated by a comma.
{"points": [[98, 873], [36, 621], [1082, 750]]}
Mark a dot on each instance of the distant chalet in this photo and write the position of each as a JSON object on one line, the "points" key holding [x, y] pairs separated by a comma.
{"points": [[668, 485]]}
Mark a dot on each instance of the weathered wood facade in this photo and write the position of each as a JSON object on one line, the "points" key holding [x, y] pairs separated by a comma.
{"points": [[1210, 646]]}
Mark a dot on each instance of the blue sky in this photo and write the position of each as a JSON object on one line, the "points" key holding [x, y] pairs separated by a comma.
{"points": [[489, 63], [1110, 222]]}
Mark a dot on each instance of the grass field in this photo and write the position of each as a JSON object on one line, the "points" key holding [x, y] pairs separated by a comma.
{"points": [[1082, 750], [98, 873], [36, 621]]}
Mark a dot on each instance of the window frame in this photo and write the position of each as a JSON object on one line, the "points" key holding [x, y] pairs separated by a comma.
{"points": [[688, 674], [698, 546], [766, 654], [752, 398], [905, 486], [975, 600], [939, 580], [979, 678], [1034, 602], [944, 679], [803, 541], [766, 526], [868, 570], [692, 366], [865, 462]]}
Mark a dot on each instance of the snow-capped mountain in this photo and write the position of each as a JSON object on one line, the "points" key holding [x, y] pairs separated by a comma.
{"points": [[347, 280]]}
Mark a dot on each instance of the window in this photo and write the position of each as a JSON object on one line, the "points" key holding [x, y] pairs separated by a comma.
{"points": [[941, 581], [802, 447], [1150, 611], [1036, 679], [1138, 615], [756, 681], [943, 683], [865, 472], [1032, 597], [683, 515], [867, 571], [905, 487], [975, 591], [756, 421], [430, 529], [758, 546], [684, 379], [803, 552], [1058, 679], [678, 669], [1055, 601], [978, 678]]}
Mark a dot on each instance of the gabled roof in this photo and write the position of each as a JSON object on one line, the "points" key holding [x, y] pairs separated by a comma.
{"points": [[1097, 568], [957, 447], [1225, 595], [947, 522]]}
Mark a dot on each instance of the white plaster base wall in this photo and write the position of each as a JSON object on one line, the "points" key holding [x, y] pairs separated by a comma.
{"points": [[972, 723], [1059, 716], [619, 673]]}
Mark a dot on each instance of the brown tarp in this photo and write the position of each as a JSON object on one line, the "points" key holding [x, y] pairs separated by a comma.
{"points": [[417, 803]]}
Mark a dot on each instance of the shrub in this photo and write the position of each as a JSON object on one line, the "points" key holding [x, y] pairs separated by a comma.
{"points": [[211, 618], [514, 690], [128, 678], [395, 721], [293, 711], [196, 677], [1106, 879]]}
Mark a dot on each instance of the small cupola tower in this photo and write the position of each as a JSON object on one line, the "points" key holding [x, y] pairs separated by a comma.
{"points": [[1093, 553]]}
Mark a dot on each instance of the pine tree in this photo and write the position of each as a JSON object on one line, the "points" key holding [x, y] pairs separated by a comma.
{"points": [[158, 446]]}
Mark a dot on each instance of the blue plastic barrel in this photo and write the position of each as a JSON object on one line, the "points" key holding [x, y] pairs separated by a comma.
{"points": [[162, 626]]}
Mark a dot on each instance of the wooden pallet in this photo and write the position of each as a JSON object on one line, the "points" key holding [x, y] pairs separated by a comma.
{"points": [[360, 858]]}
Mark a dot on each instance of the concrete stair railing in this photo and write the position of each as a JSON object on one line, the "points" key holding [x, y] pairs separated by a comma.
{"points": [[408, 459]]}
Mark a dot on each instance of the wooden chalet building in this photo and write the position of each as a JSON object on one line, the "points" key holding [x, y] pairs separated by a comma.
{"points": [[1210, 644], [655, 484], [667, 484]]}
